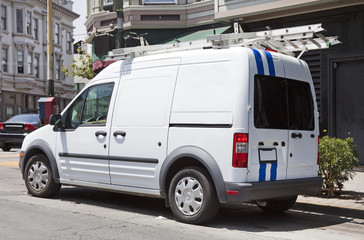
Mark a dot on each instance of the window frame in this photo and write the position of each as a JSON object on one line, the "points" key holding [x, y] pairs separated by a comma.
{"points": [[4, 16], [20, 63], [82, 98], [29, 23], [57, 33], [69, 41], [30, 63], [36, 65], [36, 29], [268, 115], [19, 21], [5, 59]]}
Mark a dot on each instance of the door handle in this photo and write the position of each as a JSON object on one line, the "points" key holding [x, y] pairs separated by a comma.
{"points": [[119, 133], [296, 135], [102, 133]]}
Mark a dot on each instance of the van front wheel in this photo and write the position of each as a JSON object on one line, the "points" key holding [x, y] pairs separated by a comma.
{"points": [[38, 177], [276, 206], [192, 197]]}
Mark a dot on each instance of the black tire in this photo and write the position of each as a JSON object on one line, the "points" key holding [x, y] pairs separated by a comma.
{"points": [[6, 147], [277, 206], [38, 177], [192, 197]]}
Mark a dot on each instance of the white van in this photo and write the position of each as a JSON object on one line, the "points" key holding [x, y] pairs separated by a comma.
{"points": [[199, 128]]}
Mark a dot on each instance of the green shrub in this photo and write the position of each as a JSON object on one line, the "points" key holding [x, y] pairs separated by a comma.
{"points": [[338, 157]]}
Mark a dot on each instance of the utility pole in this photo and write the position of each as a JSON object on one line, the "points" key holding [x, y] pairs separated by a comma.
{"points": [[50, 59], [118, 8]]}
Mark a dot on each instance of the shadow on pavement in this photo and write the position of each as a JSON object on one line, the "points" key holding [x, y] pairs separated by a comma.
{"points": [[246, 217]]}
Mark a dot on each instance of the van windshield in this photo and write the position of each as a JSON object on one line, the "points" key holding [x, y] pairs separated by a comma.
{"points": [[281, 103]]}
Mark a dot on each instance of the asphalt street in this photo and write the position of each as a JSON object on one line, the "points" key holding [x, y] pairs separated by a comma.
{"points": [[79, 213]]}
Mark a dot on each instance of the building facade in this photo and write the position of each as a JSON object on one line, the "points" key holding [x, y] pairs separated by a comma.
{"points": [[337, 72], [23, 41]]}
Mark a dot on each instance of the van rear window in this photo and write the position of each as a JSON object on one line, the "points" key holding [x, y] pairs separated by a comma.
{"points": [[281, 103]]}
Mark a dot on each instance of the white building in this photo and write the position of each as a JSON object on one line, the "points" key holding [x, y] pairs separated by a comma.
{"points": [[23, 41]]}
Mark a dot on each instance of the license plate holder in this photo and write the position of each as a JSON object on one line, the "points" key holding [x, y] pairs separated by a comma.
{"points": [[267, 155]]}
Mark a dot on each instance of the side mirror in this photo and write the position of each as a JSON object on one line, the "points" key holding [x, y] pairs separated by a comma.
{"points": [[55, 119]]}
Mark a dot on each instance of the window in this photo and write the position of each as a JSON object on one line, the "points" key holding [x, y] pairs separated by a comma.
{"points": [[91, 107], [3, 18], [36, 66], [36, 29], [281, 103], [158, 1], [301, 107], [20, 59], [19, 21], [5, 59], [30, 63], [10, 110], [57, 33], [69, 42], [58, 69], [159, 17], [29, 23]]}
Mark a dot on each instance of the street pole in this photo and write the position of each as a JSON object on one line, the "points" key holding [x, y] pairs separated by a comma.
{"points": [[118, 8], [50, 60]]}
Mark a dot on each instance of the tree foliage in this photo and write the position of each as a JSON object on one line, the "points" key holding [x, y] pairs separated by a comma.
{"points": [[82, 67], [338, 157]]}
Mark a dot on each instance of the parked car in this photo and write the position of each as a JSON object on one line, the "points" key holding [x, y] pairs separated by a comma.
{"points": [[14, 130]]}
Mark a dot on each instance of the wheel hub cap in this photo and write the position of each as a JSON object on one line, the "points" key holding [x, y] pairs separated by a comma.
{"points": [[38, 176], [189, 196]]}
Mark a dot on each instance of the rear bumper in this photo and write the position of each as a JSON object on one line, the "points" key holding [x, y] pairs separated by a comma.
{"points": [[245, 192], [14, 138]]}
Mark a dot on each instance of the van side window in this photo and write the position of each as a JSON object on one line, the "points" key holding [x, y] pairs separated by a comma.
{"points": [[97, 104], [281, 103], [91, 107], [74, 112]]}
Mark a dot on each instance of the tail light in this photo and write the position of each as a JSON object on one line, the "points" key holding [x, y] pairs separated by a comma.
{"points": [[29, 127], [318, 150], [240, 151], [1, 126]]}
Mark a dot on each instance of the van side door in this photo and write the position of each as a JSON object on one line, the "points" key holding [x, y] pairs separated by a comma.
{"points": [[82, 146], [140, 125]]}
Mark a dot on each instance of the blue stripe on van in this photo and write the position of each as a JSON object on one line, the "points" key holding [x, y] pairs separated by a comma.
{"points": [[262, 168], [259, 61], [273, 172], [272, 71]]}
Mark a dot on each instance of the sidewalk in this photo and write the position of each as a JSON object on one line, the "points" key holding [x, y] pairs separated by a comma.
{"points": [[352, 197]]}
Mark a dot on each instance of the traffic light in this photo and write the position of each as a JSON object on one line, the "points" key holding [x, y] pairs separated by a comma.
{"points": [[113, 6], [108, 6]]}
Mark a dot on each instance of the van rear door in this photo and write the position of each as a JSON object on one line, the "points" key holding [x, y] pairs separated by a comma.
{"points": [[303, 124], [283, 130], [268, 133]]}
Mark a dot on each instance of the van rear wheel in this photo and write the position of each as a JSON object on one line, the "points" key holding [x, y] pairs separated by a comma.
{"points": [[192, 197], [38, 177], [276, 206]]}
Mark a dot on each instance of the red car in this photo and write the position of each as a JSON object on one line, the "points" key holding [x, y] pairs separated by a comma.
{"points": [[14, 130]]}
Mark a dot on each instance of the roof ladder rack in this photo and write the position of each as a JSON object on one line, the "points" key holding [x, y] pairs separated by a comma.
{"points": [[285, 40]]}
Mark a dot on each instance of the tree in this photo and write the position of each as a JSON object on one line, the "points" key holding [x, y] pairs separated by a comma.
{"points": [[82, 67]]}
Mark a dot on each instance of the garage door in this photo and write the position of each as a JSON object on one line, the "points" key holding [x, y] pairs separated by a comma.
{"points": [[349, 92]]}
